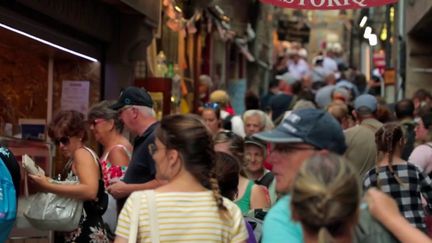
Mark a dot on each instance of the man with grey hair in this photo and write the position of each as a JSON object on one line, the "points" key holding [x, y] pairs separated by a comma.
{"points": [[135, 108], [256, 121], [362, 150]]}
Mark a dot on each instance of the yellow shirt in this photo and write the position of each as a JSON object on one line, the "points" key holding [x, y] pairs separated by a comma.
{"points": [[185, 217]]}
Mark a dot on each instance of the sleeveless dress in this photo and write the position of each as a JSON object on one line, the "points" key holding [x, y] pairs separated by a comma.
{"points": [[111, 171], [91, 227], [244, 202]]}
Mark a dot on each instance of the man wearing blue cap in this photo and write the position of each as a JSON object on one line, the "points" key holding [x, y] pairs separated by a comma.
{"points": [[300, 135], [362, 150]]}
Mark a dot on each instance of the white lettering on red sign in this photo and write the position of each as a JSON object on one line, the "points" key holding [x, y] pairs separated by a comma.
{"points": [[330, 3], [317, 5]]}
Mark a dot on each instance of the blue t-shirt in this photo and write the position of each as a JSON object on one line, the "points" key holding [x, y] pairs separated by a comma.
{"points": [[279, 225]]}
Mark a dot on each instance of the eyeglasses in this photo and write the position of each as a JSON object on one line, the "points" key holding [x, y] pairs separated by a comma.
{"points": [[124, 109], [153, 148], [212, 105], [63, 140], [95, 121], [290, 148]]}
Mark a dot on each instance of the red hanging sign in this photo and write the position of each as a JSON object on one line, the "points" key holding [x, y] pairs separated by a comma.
{"points": [[328, 4]]}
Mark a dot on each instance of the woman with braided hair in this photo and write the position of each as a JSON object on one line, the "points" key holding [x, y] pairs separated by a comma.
{"points": [[189, 207], [403, 181]]}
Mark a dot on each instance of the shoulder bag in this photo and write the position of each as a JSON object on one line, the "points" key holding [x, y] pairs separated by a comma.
{"points": [[151, 205], [49, 211]]}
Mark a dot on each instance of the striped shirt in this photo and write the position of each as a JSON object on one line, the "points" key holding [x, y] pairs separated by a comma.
{"points": [[185, 217]]}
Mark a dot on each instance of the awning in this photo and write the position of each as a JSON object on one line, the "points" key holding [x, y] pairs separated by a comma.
{"points": [[328, 4]]}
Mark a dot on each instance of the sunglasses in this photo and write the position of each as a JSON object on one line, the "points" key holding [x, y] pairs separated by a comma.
{"points": [[212, 105], [63, 140], [95, 122]]}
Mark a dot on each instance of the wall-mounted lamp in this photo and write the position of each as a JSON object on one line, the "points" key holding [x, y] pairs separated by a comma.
{"points": [[48, 43], [383, 34], [368, 32], [373, 40], [363, 21]]}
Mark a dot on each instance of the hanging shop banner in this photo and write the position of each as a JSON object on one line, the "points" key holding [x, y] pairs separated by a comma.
{"points": [[328, 4]]}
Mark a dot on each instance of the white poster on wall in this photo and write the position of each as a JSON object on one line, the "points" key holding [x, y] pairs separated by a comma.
{"points": [[75, 96]]}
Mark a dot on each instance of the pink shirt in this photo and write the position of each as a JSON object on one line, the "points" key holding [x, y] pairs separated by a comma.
{"points": [[422, 157]]}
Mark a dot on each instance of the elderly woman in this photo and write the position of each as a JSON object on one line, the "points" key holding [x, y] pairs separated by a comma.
{"points": [[68, 131], [106, 128], [189, 207]]}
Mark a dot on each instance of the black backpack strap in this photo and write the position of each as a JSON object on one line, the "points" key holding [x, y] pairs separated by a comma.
{"points": [[266, 180], [226, 123]]}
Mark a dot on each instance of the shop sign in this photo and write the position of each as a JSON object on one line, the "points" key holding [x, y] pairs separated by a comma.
{"points": [[328, 4]]}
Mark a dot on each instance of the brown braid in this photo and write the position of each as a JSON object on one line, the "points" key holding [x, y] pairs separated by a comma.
{"points": [[387, 138], [223, 211]]}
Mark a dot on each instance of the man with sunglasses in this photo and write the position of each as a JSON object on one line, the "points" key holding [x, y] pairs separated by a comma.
{"points": [[135, 109], [300, 135]]}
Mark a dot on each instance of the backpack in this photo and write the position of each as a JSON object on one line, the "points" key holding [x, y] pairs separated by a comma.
{"points": [[8, 203], [257, 227]]}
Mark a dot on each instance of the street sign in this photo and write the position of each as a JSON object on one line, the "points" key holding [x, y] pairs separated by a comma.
{"points": [[328, 4]]}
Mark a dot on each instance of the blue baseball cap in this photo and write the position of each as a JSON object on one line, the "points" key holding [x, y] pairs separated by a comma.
{"points": [[311, 126], [366, 101]]}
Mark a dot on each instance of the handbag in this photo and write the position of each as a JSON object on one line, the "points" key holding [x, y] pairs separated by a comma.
{"points": [[49, 211], [151, 205]]}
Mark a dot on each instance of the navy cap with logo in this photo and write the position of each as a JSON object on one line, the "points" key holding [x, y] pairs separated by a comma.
{"points": [[311, 126], [133, 96]]}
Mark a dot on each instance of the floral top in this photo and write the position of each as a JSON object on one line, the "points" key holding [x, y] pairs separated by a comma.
{"points": [[111, 171]]}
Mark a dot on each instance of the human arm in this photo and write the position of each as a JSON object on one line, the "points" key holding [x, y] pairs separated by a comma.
{"points": [[121, 189], [385, 210], [118, 156], [85, 169], [426, 188], [120, 239], [259, 198]]}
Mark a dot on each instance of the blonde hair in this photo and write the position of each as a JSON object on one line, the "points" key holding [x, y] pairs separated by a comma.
{"points": [[338, 110], [326, 196]]}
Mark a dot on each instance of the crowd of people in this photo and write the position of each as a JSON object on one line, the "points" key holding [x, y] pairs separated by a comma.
{"points": [[319, 158]]}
